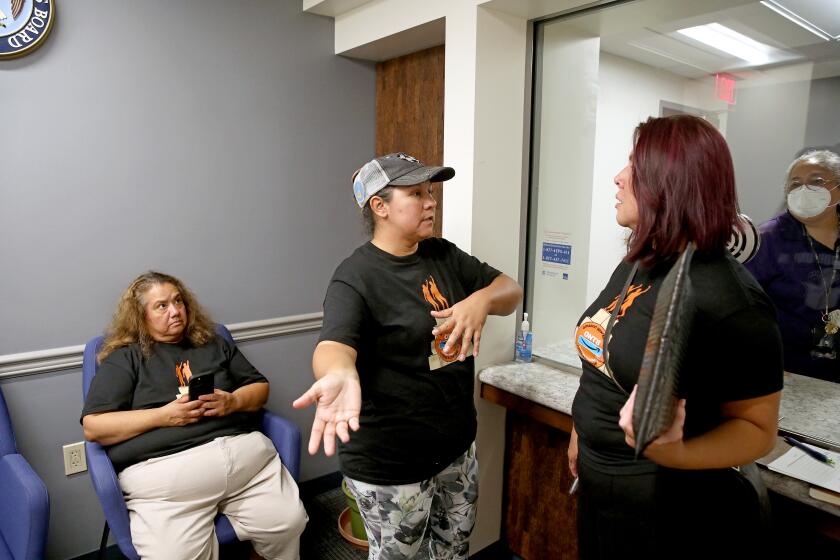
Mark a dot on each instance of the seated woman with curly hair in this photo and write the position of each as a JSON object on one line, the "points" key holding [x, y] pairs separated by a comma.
{"points": [[182, 461]]}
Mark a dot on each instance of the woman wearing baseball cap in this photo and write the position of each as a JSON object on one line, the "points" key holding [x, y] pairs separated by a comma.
{"points": [[394, 365]]}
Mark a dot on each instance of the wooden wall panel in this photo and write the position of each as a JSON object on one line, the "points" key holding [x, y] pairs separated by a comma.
{"points": [[409, 110], [540, 520]]}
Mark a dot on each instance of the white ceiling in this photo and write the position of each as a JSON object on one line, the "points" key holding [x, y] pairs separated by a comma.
{"points": [[645, 31], [823, 13], [331, 8]]}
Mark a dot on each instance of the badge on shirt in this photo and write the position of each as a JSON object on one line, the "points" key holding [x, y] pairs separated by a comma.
{"points": [[590, 333], [438, 358], [589, 339]]}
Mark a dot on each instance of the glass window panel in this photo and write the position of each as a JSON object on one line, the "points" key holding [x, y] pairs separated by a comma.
{"points": [[766, 74]]}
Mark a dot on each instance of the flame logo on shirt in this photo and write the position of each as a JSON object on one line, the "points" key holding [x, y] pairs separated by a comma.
{"points": [[632, 294], [590, 333], [433, 295], [183, 372]]}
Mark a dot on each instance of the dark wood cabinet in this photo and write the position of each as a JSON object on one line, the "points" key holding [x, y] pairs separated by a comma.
{"points": [[539, 514]]}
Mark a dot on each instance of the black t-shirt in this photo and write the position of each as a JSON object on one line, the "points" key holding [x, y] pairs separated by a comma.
{"points": [[414, 420], [128, 381], [734, 353]]}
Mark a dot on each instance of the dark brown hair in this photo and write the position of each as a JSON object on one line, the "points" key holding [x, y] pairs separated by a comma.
{"points": [[367, 213], [684, 184]]}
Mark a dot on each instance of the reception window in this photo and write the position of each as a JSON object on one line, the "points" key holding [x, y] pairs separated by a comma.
{"points": [[766, 74]]}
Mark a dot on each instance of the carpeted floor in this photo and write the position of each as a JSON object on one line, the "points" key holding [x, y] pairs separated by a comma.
{"points": [[322, 541]]}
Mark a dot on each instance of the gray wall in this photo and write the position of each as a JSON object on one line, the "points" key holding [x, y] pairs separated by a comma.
{"points": [[209, 139], [823, 127], [766, 129]]}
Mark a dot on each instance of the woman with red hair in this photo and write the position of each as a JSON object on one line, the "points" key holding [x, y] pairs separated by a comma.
{"points": [[681, 498]]}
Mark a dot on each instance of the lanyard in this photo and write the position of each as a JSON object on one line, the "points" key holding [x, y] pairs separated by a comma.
{"points": [[826, 288], [610, 323]]}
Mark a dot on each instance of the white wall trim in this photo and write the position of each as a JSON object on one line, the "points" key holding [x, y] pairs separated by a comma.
{"points": [[70, 357], [279, 326]]}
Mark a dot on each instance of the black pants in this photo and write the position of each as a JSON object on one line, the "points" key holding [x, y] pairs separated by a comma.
{"points": [[667, 514]]}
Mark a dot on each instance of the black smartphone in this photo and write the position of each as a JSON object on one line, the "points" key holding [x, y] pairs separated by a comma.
{"points": [[201, 385]]}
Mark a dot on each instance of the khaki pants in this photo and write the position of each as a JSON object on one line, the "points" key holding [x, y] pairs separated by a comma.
{"points": [[173, 500]]}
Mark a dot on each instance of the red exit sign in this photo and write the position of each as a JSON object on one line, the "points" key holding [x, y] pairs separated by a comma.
{"points": [[725, 88]]}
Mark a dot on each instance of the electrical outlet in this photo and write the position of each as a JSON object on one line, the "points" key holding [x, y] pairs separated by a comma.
{"points": [[74, 458]]}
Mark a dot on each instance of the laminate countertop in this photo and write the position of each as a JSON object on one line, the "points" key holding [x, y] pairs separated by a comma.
{"points": [[809, 407]]}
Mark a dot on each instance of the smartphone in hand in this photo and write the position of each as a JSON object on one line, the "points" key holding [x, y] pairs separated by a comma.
{"points": [[201, 385]]}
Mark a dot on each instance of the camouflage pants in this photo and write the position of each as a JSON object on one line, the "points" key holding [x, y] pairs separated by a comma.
{"points": [[396, 516]]}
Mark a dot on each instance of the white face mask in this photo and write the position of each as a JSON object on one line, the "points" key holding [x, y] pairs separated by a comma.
{"points": [[808, 201]]}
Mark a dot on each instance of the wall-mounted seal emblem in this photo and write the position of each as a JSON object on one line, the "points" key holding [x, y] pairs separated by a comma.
{"points": [[24, 24]]}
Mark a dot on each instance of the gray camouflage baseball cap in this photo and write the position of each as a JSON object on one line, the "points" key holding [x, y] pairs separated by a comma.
{"points": [[396, 169]]}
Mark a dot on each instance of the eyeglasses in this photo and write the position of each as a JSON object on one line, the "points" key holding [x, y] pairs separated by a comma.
{"points": [[813, 184]]}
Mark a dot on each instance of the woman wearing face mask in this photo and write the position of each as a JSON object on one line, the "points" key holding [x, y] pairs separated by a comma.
{"points": [[797, 265]]}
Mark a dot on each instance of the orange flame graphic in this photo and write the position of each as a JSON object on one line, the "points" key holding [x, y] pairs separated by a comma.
{"points": [[433, 295], [183, 372], [634, 292]]}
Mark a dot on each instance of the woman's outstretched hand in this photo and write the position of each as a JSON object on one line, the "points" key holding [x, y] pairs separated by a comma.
{"points": [[338, 400]]}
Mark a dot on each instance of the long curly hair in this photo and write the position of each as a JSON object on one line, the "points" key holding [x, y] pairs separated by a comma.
{"points": [[128, 326]]}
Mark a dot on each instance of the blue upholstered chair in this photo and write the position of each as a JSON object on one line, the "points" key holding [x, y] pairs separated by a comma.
{"points": [[282, 432], [24, 502]]}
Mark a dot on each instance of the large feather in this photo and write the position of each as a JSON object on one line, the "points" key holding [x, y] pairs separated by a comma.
{"points": [[667, 341]]}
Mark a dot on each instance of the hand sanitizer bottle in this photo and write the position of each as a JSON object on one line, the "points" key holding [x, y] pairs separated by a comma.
{"points": [[524, 341]]}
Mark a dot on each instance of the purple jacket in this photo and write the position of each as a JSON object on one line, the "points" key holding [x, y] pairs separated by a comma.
{"points": [[787, 270]]}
